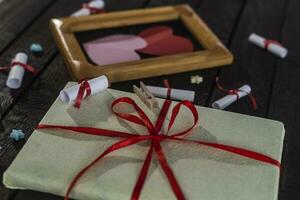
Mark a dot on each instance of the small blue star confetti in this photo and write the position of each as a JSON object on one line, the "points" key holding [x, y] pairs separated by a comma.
{"points": [[17, 134]]}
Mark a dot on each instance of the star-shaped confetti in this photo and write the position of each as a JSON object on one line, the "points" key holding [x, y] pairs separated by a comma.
{"points": [[17, 134]]}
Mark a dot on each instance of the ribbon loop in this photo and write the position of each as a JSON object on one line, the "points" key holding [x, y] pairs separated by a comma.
{"points": [[175, 112], [141, 120]]}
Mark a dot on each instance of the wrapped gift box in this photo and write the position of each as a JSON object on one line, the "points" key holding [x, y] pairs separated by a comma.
{"points": [[51, 158]]}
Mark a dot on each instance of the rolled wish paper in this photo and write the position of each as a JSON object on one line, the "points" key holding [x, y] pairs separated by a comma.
{"points": [[229, 99], [97, 85], [271, 45], [16, 73], [90, 8], [175, 94]]}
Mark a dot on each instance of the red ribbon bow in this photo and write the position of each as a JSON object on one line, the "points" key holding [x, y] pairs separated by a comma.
{"points": [[25, 66], [267, 43], [93, 10], [235, 92], [156, 137], [83, 88]]}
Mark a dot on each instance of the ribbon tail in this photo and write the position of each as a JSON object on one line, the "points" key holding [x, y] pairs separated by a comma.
{"points": [[253, 101], [79, 97], [88, 130], [162, 115], [119, 145], [236, 150], [168, 171], [143, 174]]}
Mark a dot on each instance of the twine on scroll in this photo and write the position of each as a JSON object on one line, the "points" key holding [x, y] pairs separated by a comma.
{"points": [[267, 43], [235, 92], [25, 66], [156, 137], [84, 88]]}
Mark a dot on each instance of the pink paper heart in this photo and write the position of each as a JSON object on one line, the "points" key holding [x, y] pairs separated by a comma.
{"points": [[162, 41], [120, 41], [114, 49], [102, 55]]}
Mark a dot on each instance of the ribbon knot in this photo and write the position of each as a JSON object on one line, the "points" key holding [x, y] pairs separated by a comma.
{"points": [[267, 43], [155, 137], [236, 93]]}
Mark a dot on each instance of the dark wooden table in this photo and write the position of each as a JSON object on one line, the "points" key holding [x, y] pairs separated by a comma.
{"points": [[275, 82]]}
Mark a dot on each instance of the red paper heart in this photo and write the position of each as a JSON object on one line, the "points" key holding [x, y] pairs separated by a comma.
{"points": [[162, 41]]}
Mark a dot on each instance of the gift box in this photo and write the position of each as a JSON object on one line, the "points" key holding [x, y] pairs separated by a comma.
{"points": [[51, 158]]}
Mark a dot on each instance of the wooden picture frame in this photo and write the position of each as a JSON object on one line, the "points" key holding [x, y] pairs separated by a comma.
{"points": [[214, 53]]}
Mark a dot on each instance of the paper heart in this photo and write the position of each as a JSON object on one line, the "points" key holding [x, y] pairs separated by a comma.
{"points": [[114, 49], [162, 41]]}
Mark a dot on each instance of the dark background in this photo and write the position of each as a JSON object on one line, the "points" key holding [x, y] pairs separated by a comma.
{"points": [[275, 82]]}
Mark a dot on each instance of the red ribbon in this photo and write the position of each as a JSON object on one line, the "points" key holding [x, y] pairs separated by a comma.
{"points": [[267, 43], [93, 10], [156, 137], [84, 88], [167, 85], [25, 66], [235, 92]]}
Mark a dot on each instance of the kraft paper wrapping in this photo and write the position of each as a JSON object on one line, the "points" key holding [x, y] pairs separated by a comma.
{"points": [[51, 158]]}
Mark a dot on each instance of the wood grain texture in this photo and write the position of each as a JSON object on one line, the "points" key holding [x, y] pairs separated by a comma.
{"points": [[30, 108], [253, 65], [284, 102], [222, 21], [38, 32], [20, 118], [278, 77], [16, 16]]}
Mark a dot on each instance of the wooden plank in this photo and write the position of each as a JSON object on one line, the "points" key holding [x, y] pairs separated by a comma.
{"points": [[32, 102], [285, 101], [17, 15], [228, 14], [253, 65], [19, 117], [45, 87], [38, 32]]}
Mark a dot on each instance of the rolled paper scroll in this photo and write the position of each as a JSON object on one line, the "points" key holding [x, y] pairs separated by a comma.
{"points": [[271, 45], [229, 99], [85, 11], [16, 73], [175, 94], [97, 85]]}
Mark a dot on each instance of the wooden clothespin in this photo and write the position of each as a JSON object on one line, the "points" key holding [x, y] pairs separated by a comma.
{"points": [[146, 96]]}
